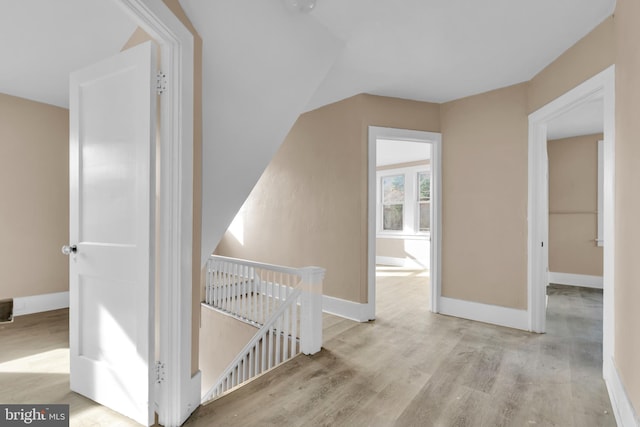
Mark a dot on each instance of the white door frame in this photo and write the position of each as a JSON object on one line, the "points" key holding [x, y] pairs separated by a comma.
{"points": [[178, 395], [435, 139], [601, 85]]}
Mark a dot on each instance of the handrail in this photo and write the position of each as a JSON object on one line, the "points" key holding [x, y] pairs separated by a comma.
{"points": [[266, 266], [285, 302], [226, 381]]}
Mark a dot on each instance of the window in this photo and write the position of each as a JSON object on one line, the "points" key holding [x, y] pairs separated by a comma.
{"points": [[404, 201], [393, 202], [424, 201]]}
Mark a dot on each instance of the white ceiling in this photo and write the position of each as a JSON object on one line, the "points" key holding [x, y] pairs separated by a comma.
{"points": [[585, 119], [42, 41], [434, 50], [390, 152], [430, 50]]}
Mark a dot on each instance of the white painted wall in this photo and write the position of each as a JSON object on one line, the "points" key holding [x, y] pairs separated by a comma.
{"points": [[252, 94]]}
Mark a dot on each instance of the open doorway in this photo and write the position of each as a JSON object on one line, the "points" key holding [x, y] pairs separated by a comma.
{"points": [[574, 293], [404, 212], [403, 219], [594, 94]]}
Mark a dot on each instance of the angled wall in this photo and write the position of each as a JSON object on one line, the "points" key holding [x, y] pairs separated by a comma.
{"points": [[252, 95], [310, 205]]}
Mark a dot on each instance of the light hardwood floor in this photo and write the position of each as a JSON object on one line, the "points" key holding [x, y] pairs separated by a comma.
{"points": [[34, 368], [413, 368], [407, 368]]}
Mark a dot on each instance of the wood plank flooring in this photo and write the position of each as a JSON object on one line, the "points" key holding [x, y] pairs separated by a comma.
{"points": [[407, 368], [413, 368], [34, 368]]}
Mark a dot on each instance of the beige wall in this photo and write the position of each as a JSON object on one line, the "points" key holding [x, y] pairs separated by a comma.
{"points": [[310, 205], [573, 205], [592, 54], [306, 208], [484, 198], [413, 252], [34, 186], [627, 233], [222, 338]]}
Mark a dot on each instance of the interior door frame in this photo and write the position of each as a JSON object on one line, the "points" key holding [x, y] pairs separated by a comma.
{"points": [[435, 139], [178, 392], [601, 85]]}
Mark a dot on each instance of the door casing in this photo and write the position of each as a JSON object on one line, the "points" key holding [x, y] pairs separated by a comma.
{"points": [[435, 139], [178, 392], [600, 85]]}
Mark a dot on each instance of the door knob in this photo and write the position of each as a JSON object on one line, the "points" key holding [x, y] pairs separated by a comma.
{"points": [[68, 250]]}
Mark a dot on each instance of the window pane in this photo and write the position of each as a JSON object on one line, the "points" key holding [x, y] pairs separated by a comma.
{"points": [[424, 187], [425, 216], [392, 217], [393, 190]]}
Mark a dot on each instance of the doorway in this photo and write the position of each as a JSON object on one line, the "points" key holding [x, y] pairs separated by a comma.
{"points": [[574, 150], [404, 207], [600, 86]]}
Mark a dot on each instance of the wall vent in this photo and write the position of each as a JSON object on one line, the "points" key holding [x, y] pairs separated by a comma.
{"points": [[6, 310]]}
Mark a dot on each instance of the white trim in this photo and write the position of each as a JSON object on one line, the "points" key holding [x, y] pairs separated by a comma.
{"points": [[600, 194], [180, 392], [622, 407], [571, 279], [40, 303], [494, 314], [399, 262], [347, 309], [435, 139], [601, 85]]}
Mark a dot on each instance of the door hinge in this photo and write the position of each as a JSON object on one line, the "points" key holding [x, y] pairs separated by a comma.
{"points": [[160, 374], [161, 82]]}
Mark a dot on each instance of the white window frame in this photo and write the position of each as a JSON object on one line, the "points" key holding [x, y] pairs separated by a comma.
{"points": [[411, 216]]}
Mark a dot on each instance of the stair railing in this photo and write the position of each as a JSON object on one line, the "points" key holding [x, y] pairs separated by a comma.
{"points": [[284, 303]]}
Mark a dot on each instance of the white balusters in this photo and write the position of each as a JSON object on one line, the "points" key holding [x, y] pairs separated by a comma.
{"points": [[286, 304]]}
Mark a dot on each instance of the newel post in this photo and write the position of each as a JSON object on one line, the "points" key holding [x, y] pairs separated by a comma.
{"points": [[311, 310]]}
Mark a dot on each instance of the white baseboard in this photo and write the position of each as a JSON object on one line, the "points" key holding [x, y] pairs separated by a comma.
{"points": [[494, 314], [575, 280], [40, 303], [620, 403], [400, 262], [347, 309]]}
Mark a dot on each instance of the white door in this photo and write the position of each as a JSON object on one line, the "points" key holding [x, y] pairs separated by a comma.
{"points": [[112, 184]]}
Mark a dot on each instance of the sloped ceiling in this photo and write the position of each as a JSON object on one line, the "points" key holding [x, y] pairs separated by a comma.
{"points": [[430, 50], [265, 64], [437, 51]]}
